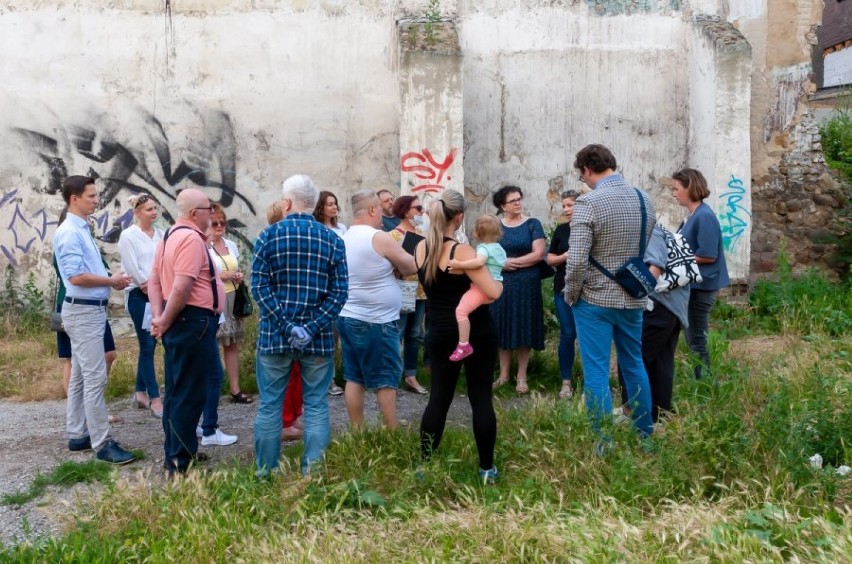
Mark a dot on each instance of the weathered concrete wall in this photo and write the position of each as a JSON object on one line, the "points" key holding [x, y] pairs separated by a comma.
{"points": [[233, 96], [431, 126], [795, 198], [720, 99]]}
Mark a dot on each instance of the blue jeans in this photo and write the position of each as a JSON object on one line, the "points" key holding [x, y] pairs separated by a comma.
{"points": [[146, 377], [597, 328], [272, 378], [700, 304], [567, 336], [411, 337], [215, 376], [191, 349]]}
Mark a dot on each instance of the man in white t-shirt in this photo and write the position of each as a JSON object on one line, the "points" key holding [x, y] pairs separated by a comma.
{"points": [[368, 322]]}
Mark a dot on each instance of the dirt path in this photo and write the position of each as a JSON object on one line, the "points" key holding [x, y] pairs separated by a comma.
{"points": [[33, 440]]}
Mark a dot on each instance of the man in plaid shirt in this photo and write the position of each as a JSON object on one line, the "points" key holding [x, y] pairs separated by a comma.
{"points": [[606, 226], [300, 282]]}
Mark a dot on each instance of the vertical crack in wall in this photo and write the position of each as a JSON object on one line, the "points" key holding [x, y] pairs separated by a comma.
{"points": [[502, 121], [170, 37]]}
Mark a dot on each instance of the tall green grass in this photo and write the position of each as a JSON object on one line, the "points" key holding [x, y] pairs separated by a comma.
{"points": [[727, 478]]}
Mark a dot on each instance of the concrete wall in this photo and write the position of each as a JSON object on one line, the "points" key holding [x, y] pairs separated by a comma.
{"points": [[234, 96], [720, 99]]}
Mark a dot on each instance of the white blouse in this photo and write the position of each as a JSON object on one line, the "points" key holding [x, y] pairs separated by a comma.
{"points": [[137, 253]]}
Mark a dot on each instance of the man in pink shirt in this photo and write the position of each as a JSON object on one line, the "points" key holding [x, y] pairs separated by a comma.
{"points": [[186, 299]]}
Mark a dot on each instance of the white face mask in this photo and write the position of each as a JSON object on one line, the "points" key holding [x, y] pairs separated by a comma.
{"points": [[417, 220]]}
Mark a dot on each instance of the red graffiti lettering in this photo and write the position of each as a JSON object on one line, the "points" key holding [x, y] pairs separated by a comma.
{"points": [[425, 167]]}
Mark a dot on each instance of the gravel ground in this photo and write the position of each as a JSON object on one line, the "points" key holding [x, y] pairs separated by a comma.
{"points": [[33, 440]]}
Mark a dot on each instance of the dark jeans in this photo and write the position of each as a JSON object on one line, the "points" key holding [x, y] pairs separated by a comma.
{"points": [[191, 349], [660, 331], [146, 377], [411, 337], [567, 336], [700, 304], [479, 371], [215, 377]]}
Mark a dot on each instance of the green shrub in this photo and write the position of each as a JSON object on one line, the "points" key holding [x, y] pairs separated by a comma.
{"points": [[836, 134]]}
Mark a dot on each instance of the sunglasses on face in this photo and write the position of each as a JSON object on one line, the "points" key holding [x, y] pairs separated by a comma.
{"points": [[144, 198], [217, 223], [418, 208]]}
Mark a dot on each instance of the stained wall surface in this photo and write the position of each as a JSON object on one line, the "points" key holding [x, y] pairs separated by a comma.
{"points": [[234, 96]]}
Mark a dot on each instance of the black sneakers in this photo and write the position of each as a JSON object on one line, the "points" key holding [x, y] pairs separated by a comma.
{"points": [[79, 445], [113, 453]]}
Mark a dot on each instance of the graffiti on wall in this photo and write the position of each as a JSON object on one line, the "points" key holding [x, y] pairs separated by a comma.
{"points": [[137, 157], [734, 218], [428, 169]]}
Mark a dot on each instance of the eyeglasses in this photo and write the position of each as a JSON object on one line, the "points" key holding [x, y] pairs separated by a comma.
{"points": [[418, 208], [207, 209], [141, 200], [514, 201], [217, 223]]}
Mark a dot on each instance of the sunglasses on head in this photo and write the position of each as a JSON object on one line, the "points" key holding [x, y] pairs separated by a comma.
{"points": [[141, 200], [217, 223]]}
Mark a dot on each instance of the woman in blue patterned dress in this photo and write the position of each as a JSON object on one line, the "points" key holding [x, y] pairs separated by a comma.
{"points": [[518, 313]]}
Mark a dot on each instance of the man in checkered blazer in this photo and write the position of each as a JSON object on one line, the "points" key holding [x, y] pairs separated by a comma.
{"points": [[606, 226]]}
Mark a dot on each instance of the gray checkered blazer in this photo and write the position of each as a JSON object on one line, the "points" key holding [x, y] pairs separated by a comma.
{"points": [[606, 223]]}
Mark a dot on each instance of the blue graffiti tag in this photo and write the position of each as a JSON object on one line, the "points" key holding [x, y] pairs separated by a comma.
{"points": [[733, 218]]}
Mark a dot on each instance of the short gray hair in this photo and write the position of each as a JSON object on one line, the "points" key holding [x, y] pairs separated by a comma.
{"points": [[300, 190]]}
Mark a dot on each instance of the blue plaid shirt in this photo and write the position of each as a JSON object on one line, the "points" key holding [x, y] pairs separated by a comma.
{"points": [[299, 278]]}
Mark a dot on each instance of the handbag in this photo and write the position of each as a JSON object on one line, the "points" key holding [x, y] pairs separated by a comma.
{"points": [[408, 289], [545, 271], [633, 276], [56, 322], [242, 302], [681, 269]]}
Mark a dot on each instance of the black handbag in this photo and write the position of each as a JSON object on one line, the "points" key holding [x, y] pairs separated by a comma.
{"points": [[545, 271], [242, 302]]}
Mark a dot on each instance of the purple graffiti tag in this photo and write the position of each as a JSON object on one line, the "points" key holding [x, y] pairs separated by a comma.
{"points": [[733, 218]]}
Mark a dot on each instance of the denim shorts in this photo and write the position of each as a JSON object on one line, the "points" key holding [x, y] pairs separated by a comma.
{"points": [[370, 353]]}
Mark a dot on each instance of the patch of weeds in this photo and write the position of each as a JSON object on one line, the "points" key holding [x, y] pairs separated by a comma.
{"points": [[66, 474]]}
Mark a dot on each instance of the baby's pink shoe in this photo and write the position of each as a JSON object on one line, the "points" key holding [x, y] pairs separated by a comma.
{"points": [[462, 351]]}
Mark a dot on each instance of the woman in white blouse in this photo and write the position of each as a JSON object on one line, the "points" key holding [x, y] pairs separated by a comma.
{"points": [[136, 246]]}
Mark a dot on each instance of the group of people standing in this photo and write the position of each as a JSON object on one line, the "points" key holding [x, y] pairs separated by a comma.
{"points": [[316, 283]]}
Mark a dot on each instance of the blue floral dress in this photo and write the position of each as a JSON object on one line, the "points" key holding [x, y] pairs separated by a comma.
{"points": [[518, 313]]}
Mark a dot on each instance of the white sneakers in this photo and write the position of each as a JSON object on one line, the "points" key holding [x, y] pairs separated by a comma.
{"points": [[218, 439]]}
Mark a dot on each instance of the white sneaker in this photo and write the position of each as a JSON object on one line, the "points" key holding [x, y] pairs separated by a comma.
{"points": [[218, 439], [199, 432]]}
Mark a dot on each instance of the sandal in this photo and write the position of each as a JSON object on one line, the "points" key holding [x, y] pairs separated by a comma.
{"points": [[499, 382], [522, 387], [240, 397], [566, 393]]}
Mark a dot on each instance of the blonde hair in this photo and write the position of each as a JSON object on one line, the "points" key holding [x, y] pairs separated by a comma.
{"points": [[488, 229], [133, 201], [441, 212], [274, 213]]}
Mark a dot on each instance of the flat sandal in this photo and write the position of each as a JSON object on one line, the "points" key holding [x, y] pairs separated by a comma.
{"points": [[240, 397]]}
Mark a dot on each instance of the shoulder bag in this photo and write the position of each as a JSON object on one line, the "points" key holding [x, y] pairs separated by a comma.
{"points": [[633, 276], [681, 268]]}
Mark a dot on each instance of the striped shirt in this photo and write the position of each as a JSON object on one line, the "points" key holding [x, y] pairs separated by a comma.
{"points": [[299, 278]]}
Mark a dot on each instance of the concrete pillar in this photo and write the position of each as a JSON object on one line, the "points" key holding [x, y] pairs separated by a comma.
{"points": [[719, 131], [431, 117]]}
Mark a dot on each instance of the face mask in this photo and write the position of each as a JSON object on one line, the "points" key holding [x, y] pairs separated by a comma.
{"points": [[417, 220]]}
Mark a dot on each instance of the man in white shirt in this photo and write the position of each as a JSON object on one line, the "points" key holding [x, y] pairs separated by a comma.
{"points": [[368, 322]]}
